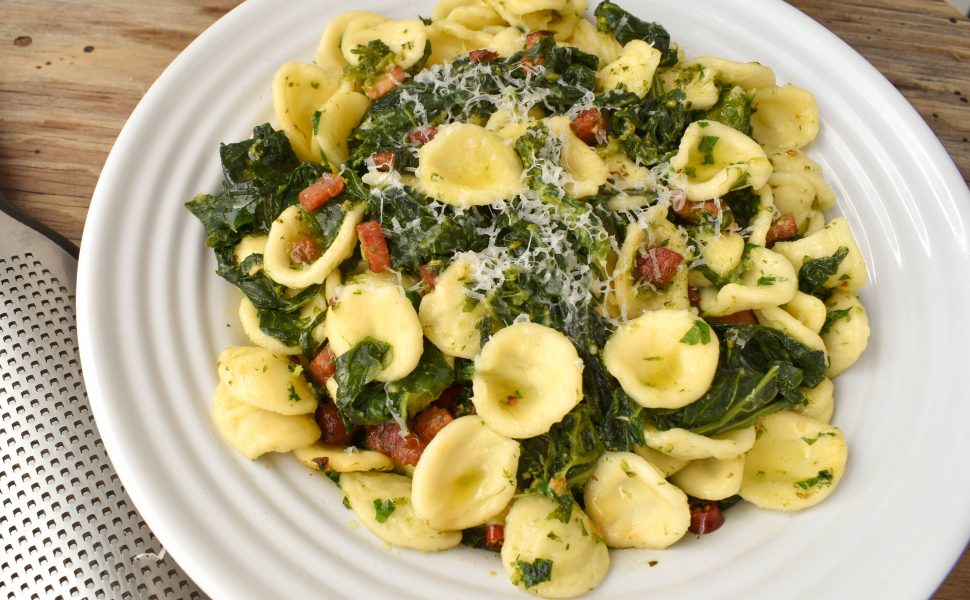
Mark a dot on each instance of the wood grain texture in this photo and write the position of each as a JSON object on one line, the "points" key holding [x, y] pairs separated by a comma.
{"points": [[66, 92]]}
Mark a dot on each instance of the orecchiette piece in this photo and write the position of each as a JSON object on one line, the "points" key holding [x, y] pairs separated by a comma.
{"points": [[467, 165], [268, 381], [784, 118], [342, 460], [761, 222], [795, 463], [848, 335], [445, 316], [711, 478], [451, 40], [474, 14], [339, 116], [748, 75], [698, 84], [329, 56], [253, 431], [777, 318], [585, 169], [668, 465], [851, 274], [714, 159], [526, 378], [796, 162], [686, 445], [249, 245], [249, 319], [632, 71], [663, 359], [809, 310], [299, 90], [406, 38], [465, 476], [629, 499], [577, 557], [382, 502], [376, 307], [768, 280], [592, 41], [721, 251], [821, 402], [287, 230]]}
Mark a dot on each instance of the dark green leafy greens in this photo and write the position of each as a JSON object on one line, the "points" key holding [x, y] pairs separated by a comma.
{"points": [[733, 108], [759, 372], [814, 272], [534, 573], [625, 27]]}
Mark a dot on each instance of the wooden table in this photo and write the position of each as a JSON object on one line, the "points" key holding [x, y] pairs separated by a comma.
{"points": [[71, 75]]}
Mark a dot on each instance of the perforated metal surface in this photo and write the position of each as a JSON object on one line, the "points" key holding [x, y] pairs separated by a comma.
{"points": [[68, 528]]}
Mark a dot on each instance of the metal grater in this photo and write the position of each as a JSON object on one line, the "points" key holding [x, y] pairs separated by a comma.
{"points": [[67, 527]]}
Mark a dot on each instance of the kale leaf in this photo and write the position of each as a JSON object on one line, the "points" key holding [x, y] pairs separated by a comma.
{"points": [[733, 108], [814, 272], [625, 27], [649, 130], [373, 60], [759, 372]]}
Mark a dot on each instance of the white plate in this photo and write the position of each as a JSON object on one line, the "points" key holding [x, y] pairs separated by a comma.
{"points": [[153, 316]]}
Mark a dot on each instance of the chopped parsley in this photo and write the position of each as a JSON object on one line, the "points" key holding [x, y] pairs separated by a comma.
{"points": [[831, 317], [384, 508], [823, 479], [821, 434], [706, 147], [293, 396], [534, 573], [699, 333]]}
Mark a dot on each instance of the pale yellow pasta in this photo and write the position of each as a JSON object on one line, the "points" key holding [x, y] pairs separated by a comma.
{"points": [[249, 319], [587, 38], [339, 116], [337, 459], [467, 165], [287, 230], [847, 337], [820, 402], [633, 504], [474, 14], [761, 223], [253, 431], [579, 557], [809, 310], [466, 475], [714, 159], [851, 274], [374, 306], [777, 318], [721, 251], [406, 38], [767, 280], [451, 40], [299, 90], [448, 322], [249, 245], [632, 299], [329, 55], [748, 75], [668, 465], [784, 118], [797, 163], [698, 84], [663, 359], [265, 380], [401, 527], [585, 170], [795, 463], [632, 71], [687, 445], [711, 478], [527, 377]]}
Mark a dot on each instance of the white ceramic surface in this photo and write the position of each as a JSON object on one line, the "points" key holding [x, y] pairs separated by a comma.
{"points": [[153, 316]]}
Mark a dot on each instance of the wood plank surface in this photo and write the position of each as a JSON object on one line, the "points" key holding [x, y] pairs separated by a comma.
{"points": [[71, 73]]}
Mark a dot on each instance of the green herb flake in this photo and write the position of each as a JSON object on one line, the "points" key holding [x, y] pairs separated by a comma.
{"points": [[383, 509], [706, 147], [831, 317], [534, 573], [821, 434], [824, 478], [699, 333], [293, 396], [766, 280]]}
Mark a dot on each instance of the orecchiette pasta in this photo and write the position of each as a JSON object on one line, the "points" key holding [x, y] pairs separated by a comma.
{"points": [[253, 431], [448, 321], [663, 359], [686, 445], [249, 319], [299, 90], [342, 112], [714, 159], [527, 377], [382, 503], [577, 557], [466, 476], [632, 71], [711, 478], [265, 380], [851, 273], [769, 280], [748, 75], [796, 462], [820, 402], [633, 504], [585, 170], [848, 334], [337, 459], [784, 117]]}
